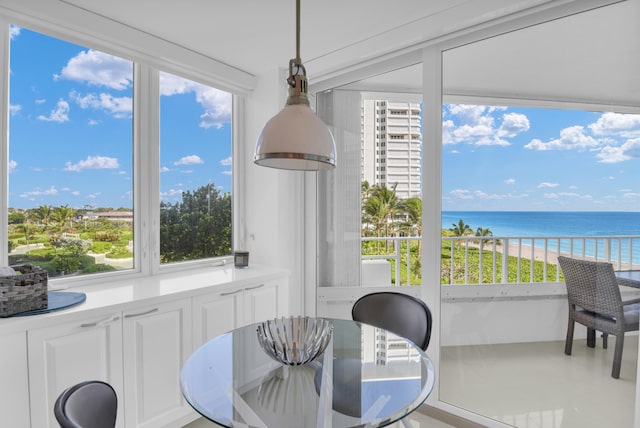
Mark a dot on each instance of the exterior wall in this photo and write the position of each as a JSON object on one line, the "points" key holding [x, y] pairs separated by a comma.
{"points": [[391, 145]]}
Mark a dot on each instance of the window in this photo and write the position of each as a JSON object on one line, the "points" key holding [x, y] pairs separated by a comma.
{"points": [[195, 159], [70, 157], [72, 194]]}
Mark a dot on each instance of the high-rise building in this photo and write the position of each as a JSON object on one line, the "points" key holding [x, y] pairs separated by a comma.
{"points": [[391, 145]]}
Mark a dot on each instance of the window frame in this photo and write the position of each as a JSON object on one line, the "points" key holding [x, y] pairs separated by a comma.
{"points": [[145, 151]]}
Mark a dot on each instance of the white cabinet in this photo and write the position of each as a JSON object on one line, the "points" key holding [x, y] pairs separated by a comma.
{"points": [[139, 349], [65, 354], [235, 306], [14, 385], [157, 341], [265, 300]]}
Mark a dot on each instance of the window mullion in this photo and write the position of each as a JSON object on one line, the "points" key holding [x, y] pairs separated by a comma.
{"points": [[4, 143], [146, 173]]}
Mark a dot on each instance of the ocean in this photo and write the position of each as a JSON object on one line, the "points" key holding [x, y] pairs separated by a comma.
{"points": [[548, 223], [556, 224]]}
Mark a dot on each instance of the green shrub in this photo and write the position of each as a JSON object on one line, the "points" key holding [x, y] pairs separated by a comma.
{"points": [[101, 247], [107, 236], [98, 268], [66, 264], [119, 253]]}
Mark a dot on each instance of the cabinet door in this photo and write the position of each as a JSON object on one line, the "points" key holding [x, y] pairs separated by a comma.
{"points": [[66, 354], [265, 300], [14, 380], [157, 341], [217, 313]]}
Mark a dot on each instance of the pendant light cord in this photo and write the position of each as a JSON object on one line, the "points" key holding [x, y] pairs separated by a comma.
{"points": [[298, 31]]}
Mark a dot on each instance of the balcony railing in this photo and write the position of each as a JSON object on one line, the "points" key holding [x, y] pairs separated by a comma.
{"points": [[503, 259]]}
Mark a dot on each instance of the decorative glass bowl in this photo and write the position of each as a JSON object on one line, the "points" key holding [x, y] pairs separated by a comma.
{"points": [[295, 340]]}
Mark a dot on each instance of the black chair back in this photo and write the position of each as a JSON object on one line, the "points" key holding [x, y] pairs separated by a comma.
{"points": [[90, 404], [399, 313]]}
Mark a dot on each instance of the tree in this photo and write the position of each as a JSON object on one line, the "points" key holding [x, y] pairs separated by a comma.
{"points": [[380, 210], [43, 214], [461, 229], [62, 214], [412, 208], [197, 227], [483, 233]]}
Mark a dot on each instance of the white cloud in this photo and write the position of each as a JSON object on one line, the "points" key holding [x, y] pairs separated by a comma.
{"points": [[164, 169], [189, 160], [573, 137], [629, 150], [98, 69], [51, 191], [631, 195], [226, 162], [75, 193], [477, 125], [561, 195], [94, 195], [14, 109], [92, 122], [60, 114], [513, 124], [14, 31], [169, 193], [510, 181], [229, 172], [480, 194], [547, 185], [118, 107], [623, 125], [216, 103], [461, 194], [40, 101], [12, 166], [93, 162]]}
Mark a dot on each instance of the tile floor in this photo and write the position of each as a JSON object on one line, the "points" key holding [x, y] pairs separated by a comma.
{"points": [[535, 385]]}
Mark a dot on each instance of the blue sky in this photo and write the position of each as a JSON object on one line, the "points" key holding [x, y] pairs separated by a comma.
{"points": [[533, 159], [70, 139]]}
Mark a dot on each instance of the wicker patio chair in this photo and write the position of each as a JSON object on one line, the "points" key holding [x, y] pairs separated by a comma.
{"points": [[595, 302]]}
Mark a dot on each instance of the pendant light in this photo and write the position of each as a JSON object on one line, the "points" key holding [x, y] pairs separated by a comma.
{"points": [[296, 138]]}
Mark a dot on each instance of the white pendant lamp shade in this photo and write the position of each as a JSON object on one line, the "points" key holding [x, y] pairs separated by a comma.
{"points": [[296, 139]]}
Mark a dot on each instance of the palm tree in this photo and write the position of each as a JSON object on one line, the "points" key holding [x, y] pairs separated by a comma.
{"points": [[380, 209], [43, 214], [461, 229], [483, 232], [412, 207], [27, 230], [62, 214]]}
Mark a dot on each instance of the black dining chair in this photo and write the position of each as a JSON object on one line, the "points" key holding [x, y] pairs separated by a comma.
{"points": [[594, 301], [399, 313], [89, 404]]}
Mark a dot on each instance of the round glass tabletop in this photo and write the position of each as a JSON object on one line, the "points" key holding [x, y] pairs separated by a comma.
{"points": [[366, 376]]}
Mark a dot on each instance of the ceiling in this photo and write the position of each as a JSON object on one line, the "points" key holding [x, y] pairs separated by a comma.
{"points": [[592, 57], [259, 35]]}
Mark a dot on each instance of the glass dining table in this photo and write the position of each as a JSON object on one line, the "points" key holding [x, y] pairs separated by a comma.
{"points": [[366, 377]]}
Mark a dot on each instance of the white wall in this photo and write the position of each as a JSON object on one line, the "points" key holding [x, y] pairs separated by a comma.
{"points": [[274, 199]]}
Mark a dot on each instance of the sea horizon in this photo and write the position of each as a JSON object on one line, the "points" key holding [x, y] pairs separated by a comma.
{"points": [[530, 224]]}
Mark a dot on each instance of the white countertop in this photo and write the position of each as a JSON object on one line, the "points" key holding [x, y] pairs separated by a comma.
{"points": [[106, 296]]}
